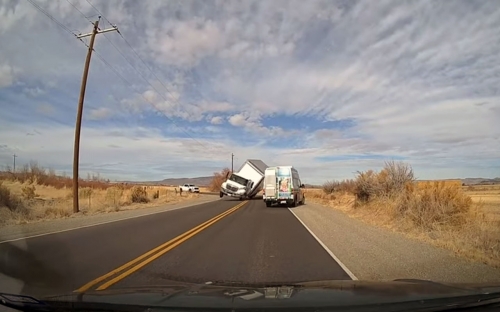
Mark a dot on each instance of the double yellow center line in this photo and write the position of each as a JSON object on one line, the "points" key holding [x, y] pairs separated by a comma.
{"points": [[141, 261]]}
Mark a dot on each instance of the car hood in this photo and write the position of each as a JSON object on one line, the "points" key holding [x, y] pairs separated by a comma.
{"points": [[361, 294]]}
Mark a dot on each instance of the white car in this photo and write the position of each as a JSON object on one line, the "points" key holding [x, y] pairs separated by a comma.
{"points": [[189, 188]]}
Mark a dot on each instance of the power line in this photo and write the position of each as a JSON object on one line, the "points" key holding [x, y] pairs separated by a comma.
{"points": [[88, 19], [88, 1], [138, 56], [146, 99], [145, 65], [144, 78], [61, 25]]}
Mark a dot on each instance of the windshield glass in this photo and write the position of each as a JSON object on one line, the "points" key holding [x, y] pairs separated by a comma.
{"points": [[378, 123], [236, 178]]}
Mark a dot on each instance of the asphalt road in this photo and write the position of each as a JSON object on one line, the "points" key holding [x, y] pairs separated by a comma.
{"points": [[250, 244]]}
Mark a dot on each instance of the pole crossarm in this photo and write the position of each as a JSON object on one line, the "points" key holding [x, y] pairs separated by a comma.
{"points": [[114, 28]]}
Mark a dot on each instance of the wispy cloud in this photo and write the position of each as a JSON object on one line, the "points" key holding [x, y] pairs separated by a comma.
{"points": [[328, 86], [100, 113], [6, 75]]}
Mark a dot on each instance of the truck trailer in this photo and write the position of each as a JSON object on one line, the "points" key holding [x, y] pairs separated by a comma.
{"points": [[246, 182]]}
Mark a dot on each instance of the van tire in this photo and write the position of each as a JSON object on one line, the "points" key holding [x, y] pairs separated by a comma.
{"points": [[268, 204], [294, 203]]}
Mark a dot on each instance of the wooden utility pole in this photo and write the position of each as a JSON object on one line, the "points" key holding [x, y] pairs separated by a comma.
{"points": [[232, 162], [15, 162], [76, 150]]}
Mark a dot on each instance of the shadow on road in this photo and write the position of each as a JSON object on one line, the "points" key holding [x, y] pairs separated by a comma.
{"points": [[22, 272], [229, 198]]}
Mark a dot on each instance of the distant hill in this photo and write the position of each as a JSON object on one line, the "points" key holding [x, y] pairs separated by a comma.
{"points": [[473, 181], [199, 181]]}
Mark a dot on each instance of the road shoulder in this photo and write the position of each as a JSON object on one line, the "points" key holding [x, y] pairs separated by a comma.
{"points": [[373, 253], [21, 231]]}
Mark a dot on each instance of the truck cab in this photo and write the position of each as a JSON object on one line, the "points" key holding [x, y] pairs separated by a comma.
{"points": [[235, 185]]}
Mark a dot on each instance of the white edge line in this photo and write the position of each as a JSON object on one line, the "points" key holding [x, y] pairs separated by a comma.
{"points": [[105, 222], [351, 275]]}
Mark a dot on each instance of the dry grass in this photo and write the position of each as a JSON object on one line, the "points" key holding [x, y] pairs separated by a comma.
{"points": [[217, 180], [33, 173], [444, 213], [49, 202], [331, 187], [488, 197], [457, 183]]}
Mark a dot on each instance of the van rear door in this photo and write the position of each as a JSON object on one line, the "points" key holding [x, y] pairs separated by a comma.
{"points": [[270, 183]]}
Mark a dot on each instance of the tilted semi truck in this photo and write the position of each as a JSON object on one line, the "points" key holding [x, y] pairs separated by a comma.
{"points": [[246, 182]]}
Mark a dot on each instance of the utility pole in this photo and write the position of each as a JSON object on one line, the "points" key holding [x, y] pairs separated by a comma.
{"points": [[76, 150], [232, 162], [15, 162]]}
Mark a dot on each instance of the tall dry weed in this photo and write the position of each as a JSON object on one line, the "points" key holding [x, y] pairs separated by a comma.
{"points": [[29, 192], [345, 186], [427, 205], [434, 204], [139, 195], [218, 179], [113, 196], [394, 178], [9, 200]]}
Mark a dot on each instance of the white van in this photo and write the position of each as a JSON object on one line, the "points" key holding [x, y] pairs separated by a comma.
{"points": [[282, 185]]}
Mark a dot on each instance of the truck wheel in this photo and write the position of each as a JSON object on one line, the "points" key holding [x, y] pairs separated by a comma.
{"points": [[221, 194], [294, 203], [268, 204]]}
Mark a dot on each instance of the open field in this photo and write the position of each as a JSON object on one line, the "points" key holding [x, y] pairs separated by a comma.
{"points": [[464, 219], [488, 196]]}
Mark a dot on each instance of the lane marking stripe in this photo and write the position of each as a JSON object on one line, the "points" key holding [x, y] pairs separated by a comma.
{"points": [[106, 222], [159, 254], [132, 262], [154, 250], [351, 275]]}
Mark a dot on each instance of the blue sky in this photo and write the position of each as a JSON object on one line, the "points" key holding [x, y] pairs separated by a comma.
{"points": [[331, 87]]}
